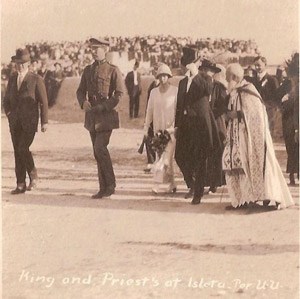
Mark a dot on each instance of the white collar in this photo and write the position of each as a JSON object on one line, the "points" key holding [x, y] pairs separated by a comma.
{"points": [[261, 75], [24, 73]]}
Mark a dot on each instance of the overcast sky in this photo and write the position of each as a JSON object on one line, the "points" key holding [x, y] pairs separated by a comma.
{"points": [[272, 23]]}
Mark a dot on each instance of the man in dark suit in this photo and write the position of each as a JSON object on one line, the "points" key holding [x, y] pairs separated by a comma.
{"points": [[46, 74], [205, 139], [133, 85], [99, 92], [25, 93], [267, 87], [183, 136]]}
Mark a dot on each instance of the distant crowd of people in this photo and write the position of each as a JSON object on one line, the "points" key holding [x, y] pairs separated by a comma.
{"points": [[75, 56]]}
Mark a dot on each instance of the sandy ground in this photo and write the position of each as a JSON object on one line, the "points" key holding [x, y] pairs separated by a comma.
{"points": [[58, 243]]}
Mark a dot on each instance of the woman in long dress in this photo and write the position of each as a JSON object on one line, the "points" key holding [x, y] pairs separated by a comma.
{"points": [[161, 111]]}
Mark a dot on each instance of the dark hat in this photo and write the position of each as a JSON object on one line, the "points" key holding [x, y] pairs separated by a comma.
{"points": [[22, 56], [98, 42], [189, 56], [207, 64]]}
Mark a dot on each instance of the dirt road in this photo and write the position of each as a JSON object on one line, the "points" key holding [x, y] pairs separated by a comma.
{"points": [[58, 243]]}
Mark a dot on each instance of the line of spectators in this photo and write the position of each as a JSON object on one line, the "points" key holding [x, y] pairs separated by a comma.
{"points": [[74, 56]]}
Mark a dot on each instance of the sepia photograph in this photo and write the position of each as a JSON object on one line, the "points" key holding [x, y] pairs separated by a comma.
{"points": [[149, 149]]}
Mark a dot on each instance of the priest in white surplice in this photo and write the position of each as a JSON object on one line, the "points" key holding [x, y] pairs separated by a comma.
{"points": [[251, 169]]}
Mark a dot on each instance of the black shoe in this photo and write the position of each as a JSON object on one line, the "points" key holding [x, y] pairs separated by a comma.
{"points": [[98, 195], [230, 208], [212, 189], [189, 194], [292, 179], [109, 192], [32, 185], [19, 190], [196, 200]]}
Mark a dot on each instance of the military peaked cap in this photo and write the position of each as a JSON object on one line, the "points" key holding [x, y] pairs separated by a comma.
{"points": [[98, 42]]}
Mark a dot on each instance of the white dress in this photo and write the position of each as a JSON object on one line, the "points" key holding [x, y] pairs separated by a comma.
{"points": [[161, 111]]}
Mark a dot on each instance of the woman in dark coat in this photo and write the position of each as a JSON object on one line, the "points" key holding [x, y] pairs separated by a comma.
{"points": [[218, 104]]}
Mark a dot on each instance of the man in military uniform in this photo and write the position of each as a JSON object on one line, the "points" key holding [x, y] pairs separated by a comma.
{"points": [[99, 92]]}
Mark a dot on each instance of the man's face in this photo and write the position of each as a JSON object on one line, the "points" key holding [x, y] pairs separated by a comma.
{"points": [[260, 66], [192, 68], [99, 52], [163, 78], [183, 69], [22, 66], [230, 78]]}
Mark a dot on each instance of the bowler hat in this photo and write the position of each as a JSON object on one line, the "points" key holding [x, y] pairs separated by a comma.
{"points": [[22, 56], [189, 56], [164, 69], [207, 64], [98, 42]]}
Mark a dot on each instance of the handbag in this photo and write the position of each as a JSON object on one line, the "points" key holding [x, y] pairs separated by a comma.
{"points": [[161, 173], [107, 121]]}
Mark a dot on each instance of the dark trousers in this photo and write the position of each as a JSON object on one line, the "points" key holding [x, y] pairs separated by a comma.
{"points": [[185, 162], [23, 158], [200, 172], [134, 102], [106, 174]]}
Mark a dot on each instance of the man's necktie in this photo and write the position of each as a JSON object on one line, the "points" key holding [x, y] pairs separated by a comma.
{"points": [[20, 79]]}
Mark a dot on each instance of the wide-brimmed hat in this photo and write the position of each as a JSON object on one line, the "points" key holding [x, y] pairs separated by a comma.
{"points": [[22, 56], [98, 42], [207, 64], [189, 55], [164, 69]]}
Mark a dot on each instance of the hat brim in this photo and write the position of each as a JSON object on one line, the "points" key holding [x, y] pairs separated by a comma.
{"points": [[170, 76], [19, 60], [212, 68]]}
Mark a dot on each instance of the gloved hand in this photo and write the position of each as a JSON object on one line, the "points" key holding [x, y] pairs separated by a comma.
{"points": [[296, 136], [175, 132], [44, 128], [98, 108], [86, 106]]}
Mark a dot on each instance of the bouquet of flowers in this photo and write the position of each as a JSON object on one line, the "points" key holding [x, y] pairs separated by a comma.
{"points": [[160, 141]]}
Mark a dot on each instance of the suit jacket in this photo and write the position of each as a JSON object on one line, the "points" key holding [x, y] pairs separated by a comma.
{"points": [[102, 85], [22, 106], [181, 102], [267, 87], [200, 115], [129, 82]]}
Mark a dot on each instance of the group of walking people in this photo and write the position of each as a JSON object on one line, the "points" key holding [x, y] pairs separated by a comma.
{"points": [[219, 133], [216, 129]]}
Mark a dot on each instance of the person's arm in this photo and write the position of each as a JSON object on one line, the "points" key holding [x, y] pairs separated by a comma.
{"points": [[127, 83], [149, 113], [43, 100], [82, 89], [6, 100], [296, 117], [221, 103]]}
